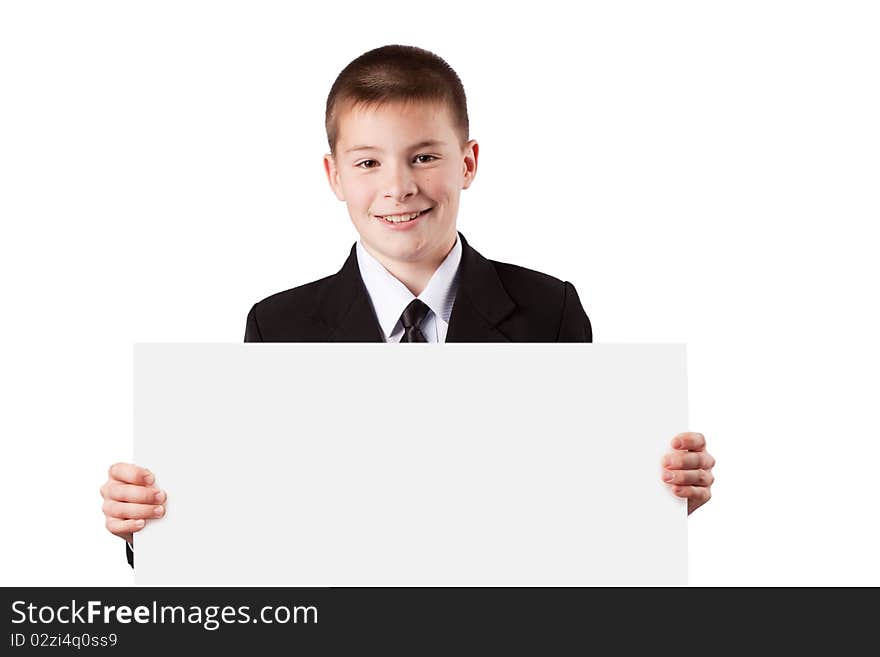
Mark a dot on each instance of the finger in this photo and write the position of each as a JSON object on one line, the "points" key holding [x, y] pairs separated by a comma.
{"points": [[699, 494], [132, 474], [690, 440], [688, 461], [695, 503], [126, 510], [119, 526], [689, 477], [130, 493]]}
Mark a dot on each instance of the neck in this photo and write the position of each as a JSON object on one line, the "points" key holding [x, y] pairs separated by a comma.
{"points": [[415, 275]]}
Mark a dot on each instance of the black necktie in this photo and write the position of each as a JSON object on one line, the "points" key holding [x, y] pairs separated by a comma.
{"points": [[411, 317]]}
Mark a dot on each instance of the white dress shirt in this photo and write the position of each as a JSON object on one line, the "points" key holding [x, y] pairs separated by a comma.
{"points": [[390, 297]]}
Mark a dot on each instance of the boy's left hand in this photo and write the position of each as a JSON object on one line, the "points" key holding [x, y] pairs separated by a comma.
{"points": [[688, 469]]}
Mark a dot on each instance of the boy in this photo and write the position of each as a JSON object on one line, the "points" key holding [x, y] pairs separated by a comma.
{"points": [[400, 154]]}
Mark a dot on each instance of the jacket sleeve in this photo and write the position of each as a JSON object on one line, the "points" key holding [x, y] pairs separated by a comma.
{"points": [[252, 329], [575, 325]]}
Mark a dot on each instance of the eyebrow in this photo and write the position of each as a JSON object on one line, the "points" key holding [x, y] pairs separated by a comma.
{"points": [[421, 144]]}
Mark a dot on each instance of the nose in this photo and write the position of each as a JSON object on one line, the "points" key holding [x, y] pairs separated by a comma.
{"points": [[400, 183]]}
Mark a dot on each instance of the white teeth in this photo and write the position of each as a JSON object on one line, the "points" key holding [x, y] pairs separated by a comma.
{"points": [[400, 218]]}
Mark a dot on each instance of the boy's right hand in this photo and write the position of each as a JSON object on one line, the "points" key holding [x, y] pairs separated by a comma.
{"points": [[130, 499]]}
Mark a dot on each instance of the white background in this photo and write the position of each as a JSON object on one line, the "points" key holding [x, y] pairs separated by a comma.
{"points": [[703, 172]]}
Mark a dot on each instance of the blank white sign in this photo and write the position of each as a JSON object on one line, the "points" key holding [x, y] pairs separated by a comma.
{"points": [[411, 465]]}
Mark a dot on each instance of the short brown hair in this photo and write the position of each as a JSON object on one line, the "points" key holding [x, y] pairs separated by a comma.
{"points": [[396, 73]]}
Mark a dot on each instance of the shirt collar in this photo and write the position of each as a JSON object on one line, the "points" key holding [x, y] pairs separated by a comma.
{"points": [[390, 297]]}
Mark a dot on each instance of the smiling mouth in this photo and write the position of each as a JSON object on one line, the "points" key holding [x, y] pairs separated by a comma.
{"points": [[402, 218]]}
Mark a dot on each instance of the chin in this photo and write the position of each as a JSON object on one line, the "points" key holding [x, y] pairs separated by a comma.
{"points": [[403, 246], [403, 253]]}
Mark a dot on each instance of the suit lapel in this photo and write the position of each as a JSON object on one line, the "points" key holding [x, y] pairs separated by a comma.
{"points": [[481, 303], [345, 307]]}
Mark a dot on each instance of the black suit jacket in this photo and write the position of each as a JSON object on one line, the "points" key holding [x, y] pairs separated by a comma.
{"points": [[495, 302]]}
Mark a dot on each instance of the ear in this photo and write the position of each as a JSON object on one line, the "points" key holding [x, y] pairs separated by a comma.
{"points": [[471, 154], [333, 176]]}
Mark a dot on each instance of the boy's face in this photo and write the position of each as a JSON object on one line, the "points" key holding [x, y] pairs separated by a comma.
{"points": [[399, 159]]}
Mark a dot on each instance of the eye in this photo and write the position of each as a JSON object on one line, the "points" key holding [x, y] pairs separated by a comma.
{"points": [[360, 165], [431, 156]]}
